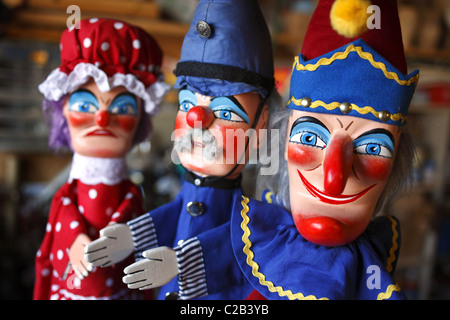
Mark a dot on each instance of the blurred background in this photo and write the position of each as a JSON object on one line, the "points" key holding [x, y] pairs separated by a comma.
{"points": [[30, 173]]}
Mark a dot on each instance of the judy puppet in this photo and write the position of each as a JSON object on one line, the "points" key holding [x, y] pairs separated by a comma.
{"points": [[98, 104]]}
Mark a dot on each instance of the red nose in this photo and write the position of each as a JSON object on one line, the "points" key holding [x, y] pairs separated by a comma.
{"points": [[102, 118], [199, 116], [337, 164]]}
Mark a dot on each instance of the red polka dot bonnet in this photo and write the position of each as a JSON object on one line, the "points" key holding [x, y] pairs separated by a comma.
{"points": [[113, 53]]}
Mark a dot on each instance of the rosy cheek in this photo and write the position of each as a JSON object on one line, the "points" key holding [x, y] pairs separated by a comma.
{"points": [[306, 157], [374, 168], [231, 136], [180, 125], [127, 123], [79, 119]]}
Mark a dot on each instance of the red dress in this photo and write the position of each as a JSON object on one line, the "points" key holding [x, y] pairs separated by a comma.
{"points": [[78, 208]]}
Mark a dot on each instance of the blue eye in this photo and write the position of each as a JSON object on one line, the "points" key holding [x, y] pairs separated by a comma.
{"points": [[310, 134], [378, 144], [123, 109], [83, 107], [187, 100], [227, 115], [83, 101], [309, 139], [124, 104], [226, 109], [185, 106], [373, 149]]}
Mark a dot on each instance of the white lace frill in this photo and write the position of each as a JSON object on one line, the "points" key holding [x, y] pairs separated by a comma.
{"points": [[59, 83], [92, 171]]}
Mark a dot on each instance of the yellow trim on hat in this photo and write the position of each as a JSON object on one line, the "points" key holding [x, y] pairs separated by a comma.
{"points": [[364, 55], [278, 289], [361, 110]]}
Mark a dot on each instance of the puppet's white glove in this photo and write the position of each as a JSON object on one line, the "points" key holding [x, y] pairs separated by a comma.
{"points": [[157, 269], [114, 245]]}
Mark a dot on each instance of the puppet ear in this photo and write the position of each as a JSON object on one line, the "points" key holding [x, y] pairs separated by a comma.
{"points": [[349, 17]]}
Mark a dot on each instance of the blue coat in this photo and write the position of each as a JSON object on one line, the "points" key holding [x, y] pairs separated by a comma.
{"points": [[173, 224], [281, 264]]}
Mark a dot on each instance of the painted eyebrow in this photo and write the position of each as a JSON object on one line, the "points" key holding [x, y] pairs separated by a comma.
{"points": [[126, 94], [83, 90], [188, 93], [308, 119], [235, 101], [379, 131]]}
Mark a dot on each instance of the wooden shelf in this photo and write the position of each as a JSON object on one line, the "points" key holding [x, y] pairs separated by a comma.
{"points": [[428, 54], [45, 20]]}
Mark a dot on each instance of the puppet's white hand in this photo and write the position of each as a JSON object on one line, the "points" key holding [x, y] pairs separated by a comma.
{"points": [[157, 269], [114, 245]]}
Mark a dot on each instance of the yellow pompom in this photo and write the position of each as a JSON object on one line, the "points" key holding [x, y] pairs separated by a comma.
{"points": [[349, 17]]}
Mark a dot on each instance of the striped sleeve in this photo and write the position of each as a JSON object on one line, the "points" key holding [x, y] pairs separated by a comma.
{"points": [[192, 276], [143, 233]]}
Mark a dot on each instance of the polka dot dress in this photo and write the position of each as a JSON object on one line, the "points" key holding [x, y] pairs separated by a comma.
{"points": [[81, 208]]}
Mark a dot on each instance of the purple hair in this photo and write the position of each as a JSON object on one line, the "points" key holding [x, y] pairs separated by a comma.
{"points": [[59, 135]]}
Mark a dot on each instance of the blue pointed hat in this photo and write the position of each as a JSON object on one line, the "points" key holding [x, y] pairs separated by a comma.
{"points": [[364, 75], [227, 50]]}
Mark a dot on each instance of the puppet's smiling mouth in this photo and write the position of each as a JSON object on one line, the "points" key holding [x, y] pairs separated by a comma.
{"points": [[322, 196]]}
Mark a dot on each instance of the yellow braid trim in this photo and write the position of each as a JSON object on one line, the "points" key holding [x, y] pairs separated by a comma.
{"points": [[270, 285], [364, 55], [394, 247], [361, 110], [255, 267]]}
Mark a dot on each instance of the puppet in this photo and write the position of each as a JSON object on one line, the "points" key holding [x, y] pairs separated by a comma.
{"points": [[98, 104], [225, 77], [347, 149]]}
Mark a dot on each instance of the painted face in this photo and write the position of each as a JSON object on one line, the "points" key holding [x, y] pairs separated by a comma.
{"points": [[102, 124], [338, 167], [211, 133]]}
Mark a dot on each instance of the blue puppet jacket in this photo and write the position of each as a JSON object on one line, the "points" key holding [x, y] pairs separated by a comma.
{"points": [[281, 264], [171, 225]]}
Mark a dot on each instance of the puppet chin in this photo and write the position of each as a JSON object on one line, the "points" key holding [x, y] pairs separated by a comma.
{"points": [[324, 231]]}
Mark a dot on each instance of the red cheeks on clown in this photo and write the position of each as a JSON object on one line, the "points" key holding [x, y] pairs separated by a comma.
{"points": [[81, 119], [307, 158], [103, 119], [127, 123], [377, 169]]}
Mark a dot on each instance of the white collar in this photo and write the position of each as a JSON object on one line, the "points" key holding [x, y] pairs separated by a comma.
{"points": [[90, 170]]}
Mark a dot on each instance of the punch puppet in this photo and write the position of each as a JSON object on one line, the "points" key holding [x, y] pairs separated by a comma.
{"points": [[98, 104], [225, 77], [346, 150]]}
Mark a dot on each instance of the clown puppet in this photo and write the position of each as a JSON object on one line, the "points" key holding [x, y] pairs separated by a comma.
{"points": [[226, 79], [347, 150], [98, 104]]}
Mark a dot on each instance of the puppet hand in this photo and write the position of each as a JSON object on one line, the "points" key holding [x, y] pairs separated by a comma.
{"points": [[114, 245], [159, 267], [80, 266]]}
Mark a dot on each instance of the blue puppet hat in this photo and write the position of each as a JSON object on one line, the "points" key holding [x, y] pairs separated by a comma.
{"points": [[227, 50], [353, 79]]}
